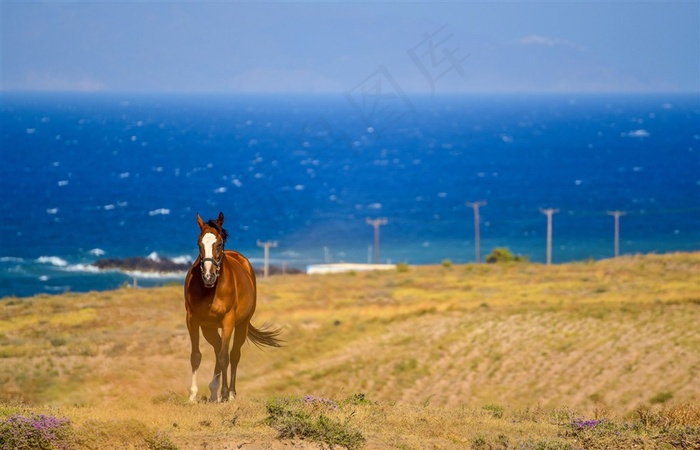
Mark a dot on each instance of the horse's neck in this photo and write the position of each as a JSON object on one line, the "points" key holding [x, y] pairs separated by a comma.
{"points": [[227, 270]]}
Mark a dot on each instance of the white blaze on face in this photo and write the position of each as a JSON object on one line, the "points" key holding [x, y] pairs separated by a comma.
{"points": [[208, 241]]}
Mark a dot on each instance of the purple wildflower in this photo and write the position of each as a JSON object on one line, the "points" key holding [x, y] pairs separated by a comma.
{"points": [[311, 400], [37, 431], [582, 424]]}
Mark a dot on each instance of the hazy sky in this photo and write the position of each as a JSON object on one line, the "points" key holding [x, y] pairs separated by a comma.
{"points": [[338, 46]]}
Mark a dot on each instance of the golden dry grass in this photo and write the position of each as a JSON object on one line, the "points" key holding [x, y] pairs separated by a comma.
{"points": [[430, 348]]}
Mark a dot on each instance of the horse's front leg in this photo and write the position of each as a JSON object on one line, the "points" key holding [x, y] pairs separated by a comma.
{"points": [[212, 336], [195, 356], [223, 356], [240, 334]]}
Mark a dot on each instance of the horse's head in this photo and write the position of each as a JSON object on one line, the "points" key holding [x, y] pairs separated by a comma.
{"points": [[212, 238]]}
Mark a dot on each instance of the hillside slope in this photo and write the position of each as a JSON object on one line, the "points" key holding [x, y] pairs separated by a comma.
{"points": [[610, 335]]}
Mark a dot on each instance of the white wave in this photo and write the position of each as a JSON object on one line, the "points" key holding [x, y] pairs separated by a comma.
{"points": [[11, 259], [156, 275], [159, 211], [53, 260], [43, 278], [641, 133], [97, 252], [374, 206], [153, 256], [220, 190], [63, 183], [57, 288], [82, 268], [184, 259], [52, 211]]}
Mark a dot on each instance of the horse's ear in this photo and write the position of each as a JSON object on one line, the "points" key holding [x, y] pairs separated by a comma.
{"points": [[220, 220], [200, 221]]}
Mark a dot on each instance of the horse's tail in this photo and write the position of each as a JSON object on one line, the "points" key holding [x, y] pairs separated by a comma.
{"points": [[265, 336]]}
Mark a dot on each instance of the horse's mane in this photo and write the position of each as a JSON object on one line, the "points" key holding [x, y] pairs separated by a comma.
{"points": [[222, 231]]}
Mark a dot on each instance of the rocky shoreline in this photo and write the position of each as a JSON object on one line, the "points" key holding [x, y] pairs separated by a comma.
{"points": [[142, 264]]}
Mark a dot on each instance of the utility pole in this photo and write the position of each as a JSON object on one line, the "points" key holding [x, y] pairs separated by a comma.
{"points": [[477, 235], [616, 215], [376, 223], [548, 212], [266, 245]]}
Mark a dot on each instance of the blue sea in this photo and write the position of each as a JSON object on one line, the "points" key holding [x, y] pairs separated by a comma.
{"points": [[89, 176]]}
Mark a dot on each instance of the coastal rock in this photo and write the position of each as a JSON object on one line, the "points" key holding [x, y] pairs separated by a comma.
{"points": [[141, 264], [165, 265]]}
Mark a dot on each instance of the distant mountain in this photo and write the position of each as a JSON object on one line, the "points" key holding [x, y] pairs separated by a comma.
{"points": [[431, 58]]}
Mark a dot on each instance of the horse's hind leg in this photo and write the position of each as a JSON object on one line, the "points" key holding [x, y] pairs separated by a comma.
{"points": [[239, 336], [212, 336]]}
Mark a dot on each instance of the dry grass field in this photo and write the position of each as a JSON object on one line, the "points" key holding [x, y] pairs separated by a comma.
{"points": [[599, 354]]}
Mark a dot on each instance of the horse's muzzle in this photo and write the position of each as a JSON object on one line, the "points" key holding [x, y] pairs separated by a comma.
{"points": [[209, 279], [210, 276]]}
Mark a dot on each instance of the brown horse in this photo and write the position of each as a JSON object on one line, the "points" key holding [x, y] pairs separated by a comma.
{"points": [[220, 292]]}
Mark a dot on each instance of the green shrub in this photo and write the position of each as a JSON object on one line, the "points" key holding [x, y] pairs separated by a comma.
{"points": [[58, 341], [446, 263], [159, 441], [357, 399], [502, 254], [495, 410], [405, 365], [661, 397], [402, 267], [171, 398], [311, 418]]}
